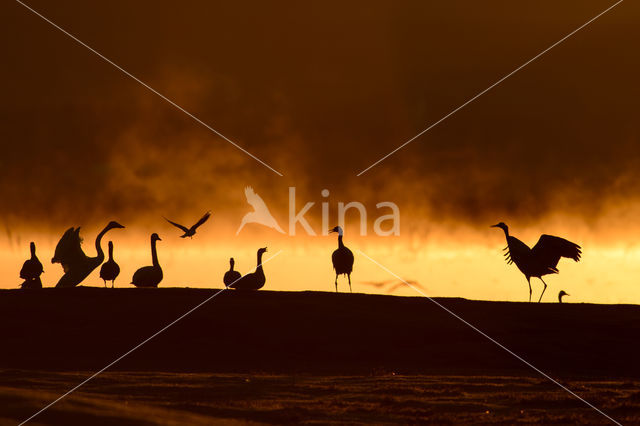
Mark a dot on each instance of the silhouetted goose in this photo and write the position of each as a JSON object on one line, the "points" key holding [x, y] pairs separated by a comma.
{"points": [[77, 265], [190, 232], [342, 258], [149, 276], [230, 276], [260, 213], [542, 258], [561, 295], [110, 269], [255, 280], [31, 270]]}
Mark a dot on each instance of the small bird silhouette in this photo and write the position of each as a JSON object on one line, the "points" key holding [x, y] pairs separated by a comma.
{"points": [[540, 260], [149, 276], [110, 269], [254, 280], [561, 294], [342, 259], [393, 285], [231, 276], [190, 232], [260, 213], [31, 270]]}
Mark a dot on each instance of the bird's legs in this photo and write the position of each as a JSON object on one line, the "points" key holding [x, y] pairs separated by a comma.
{"points": [[105, 283], [113, 282], [529, 281], [545, 287], [349, 277], [336, 283]]}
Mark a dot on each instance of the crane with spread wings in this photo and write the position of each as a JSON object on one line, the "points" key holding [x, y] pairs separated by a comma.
{"points": [[540, 260]]}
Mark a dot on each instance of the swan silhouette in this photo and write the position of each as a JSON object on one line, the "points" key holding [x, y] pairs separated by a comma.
{"points": [[342, 258], [77, 265], [230, 276], [255, 280], [190, 232], [110, 269], [149, 276], [260, 213], [31, 270]]}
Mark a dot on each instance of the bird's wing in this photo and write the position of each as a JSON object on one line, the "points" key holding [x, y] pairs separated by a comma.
{"points": [[377, 284], [255, 200], [69, 250], [177, 225], [202, 220], [517, 251], [549, 249]]}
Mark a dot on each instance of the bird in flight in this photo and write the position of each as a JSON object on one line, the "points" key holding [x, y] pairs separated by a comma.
{"points": [[260, 213], [190, 232], [540, 260], [393, 285]]}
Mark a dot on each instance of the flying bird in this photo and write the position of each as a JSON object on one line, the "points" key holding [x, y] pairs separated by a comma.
{"points": [[31, 270], [260, 213], [77, 265], [561, 295], [110, 269], [254, 280], [190, 232], [230, 276], [149, 276], [342, 259], [540, 260]]}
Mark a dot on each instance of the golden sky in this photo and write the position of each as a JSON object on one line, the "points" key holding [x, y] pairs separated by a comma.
{"points": [[320, 92]]}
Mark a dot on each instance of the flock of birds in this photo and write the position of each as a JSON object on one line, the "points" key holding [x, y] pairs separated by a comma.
{"points": [[536, 262], [77, 265]]}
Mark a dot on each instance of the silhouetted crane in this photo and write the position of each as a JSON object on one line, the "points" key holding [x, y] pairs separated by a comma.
{"points": [[342, 259], [230, 276], [149, 276], [110, 269], [190, 232], [77, 265], [254, 280], [31, 270], [561, 295], [542, 258]]}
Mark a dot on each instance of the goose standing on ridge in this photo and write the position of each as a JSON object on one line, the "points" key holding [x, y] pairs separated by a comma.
{"points": [[342, 259], [31, 270], [149, 276], [230, 276], [540, 260], [254, 280], [110, 269], [77, 265], [190, 232]]}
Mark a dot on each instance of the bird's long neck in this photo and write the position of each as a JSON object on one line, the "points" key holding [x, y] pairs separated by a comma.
{"points": [[154, 253], [231, 262], [110, 251], [340, 243], [33, 251], [506, 233], [98, 241], [259, 268]]}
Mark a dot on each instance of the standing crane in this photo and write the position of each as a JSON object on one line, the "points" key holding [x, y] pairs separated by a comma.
{"points": [[541, 259], [342, 258]]}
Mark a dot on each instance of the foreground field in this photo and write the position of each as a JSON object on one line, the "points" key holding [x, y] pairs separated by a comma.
{"points": [[198, 399]]}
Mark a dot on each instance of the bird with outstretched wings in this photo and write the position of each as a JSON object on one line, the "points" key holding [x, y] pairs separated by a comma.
{"points": [[190, 232]]}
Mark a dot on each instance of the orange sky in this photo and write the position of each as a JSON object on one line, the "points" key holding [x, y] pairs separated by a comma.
{"points": [[320, 92]]}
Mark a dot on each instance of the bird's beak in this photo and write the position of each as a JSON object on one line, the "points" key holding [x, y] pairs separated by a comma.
{"points": [[159, 239], [494, 226], [333, 230]]}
